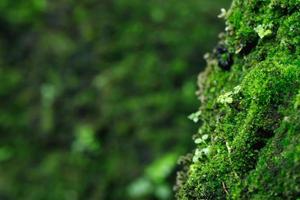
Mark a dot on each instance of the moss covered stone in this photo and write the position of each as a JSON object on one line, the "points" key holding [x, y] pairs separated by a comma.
{"points": [[249, 115]]}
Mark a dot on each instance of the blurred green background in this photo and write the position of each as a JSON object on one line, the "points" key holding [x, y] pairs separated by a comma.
{"points": [[94, 95]]}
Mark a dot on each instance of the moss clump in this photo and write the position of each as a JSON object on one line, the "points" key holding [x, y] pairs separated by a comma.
{"points": [[250, 114]]}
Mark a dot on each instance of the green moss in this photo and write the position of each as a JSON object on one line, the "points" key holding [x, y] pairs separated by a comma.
{"points": [[251, 113]]}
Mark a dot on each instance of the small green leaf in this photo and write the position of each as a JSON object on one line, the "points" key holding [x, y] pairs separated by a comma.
{"points": [[195, 116], [262, 31]]}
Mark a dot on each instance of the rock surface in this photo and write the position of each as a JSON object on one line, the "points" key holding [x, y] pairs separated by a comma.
{"points": [[248, 143]]}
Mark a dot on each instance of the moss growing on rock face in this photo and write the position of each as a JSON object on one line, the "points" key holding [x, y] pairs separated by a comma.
{"points": [[250, 114]]}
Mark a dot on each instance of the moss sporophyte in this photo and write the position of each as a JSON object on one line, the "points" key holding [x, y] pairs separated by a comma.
{"points": [[248, 145]]}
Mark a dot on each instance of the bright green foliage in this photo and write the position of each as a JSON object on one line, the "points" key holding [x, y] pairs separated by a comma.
{"points": [[94, 95], [250, 113]]}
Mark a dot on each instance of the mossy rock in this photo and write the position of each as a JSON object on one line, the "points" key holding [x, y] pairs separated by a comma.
{"points": [[248, 143]]}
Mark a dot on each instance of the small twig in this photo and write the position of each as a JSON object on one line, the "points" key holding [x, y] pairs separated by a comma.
{"points": [[228, 148], [229, 155], [224, 187]]}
